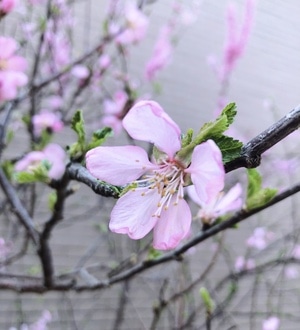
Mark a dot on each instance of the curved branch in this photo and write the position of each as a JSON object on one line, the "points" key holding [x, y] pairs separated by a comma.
{"points": [[79, 173], [18, 207], [251, 152]]}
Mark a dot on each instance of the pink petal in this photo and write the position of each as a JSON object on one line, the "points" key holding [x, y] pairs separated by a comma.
{"points": [[7, 47], [231, 201], [173, 225], [118, 165], [133, 213], [147, 121], [207, 170], [16, 63]]}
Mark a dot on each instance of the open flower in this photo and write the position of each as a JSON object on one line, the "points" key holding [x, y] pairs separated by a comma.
{"points": [[156, 201], [272, 323], [53, 154], [11, 69], [219, 205]]}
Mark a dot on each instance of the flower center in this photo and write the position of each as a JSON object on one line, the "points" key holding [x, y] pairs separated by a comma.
{"points": [[168, 179]]}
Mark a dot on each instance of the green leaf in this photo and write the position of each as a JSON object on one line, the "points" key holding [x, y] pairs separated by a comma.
{"points": [[9, 136], [77, 149], [77, 125], [208, 302], [52, 199], [256, 195], [8, 169], [99, 137], [229, 147], [211, 130]]}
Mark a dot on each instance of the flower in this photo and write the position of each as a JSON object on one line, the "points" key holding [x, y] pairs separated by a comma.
{"points": [[260, 238], [136, 26], [6, 6], [46, 120], [272, 323], [162, 54], [219, 205], [11, 69], [244, 264], [53, 153], [113, 110], [156, 200]]}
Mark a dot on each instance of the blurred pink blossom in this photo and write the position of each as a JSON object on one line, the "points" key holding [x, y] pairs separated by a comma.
{"points": [[219, 205], [40, 324], [236, 40], [162, 54], [104, 61], [260, 238], [6, 6], [291, 272], [296, 252], [53, 153], [54, 102], [136, 25], [12, 69], [272, 323], [244, 264], [80, 71], [46, 120], [113, 111], [158, 196]]}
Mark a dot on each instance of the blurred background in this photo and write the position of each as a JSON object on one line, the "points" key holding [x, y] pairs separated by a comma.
{"points": [[265, 85]]}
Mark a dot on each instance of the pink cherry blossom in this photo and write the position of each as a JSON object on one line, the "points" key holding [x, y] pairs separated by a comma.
{"points": [[46, 120], [219, 205], [80, 71], [104, 61], [113, 111], [260, 238], [136, 25], [272, 323], [12, 69], [156, 200], [161, 55], [236, 40], [53, 153], [244, 264], [6, 6], [291, 272], [296, 252]]}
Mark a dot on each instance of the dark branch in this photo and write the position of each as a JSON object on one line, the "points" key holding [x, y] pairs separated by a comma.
{"points": [[18, 207], [251, 152], [79, 173]]}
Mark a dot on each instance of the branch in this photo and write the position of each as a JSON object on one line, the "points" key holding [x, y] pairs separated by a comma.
{"points": [[18, 207], [79, 173], [251, 152]]}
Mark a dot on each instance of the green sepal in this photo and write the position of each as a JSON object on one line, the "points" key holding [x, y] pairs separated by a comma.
{"points": [[129, 187], [229, 147], [207, 300], [187, 138], [9, 136], [256, 195], [99, 137]]}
